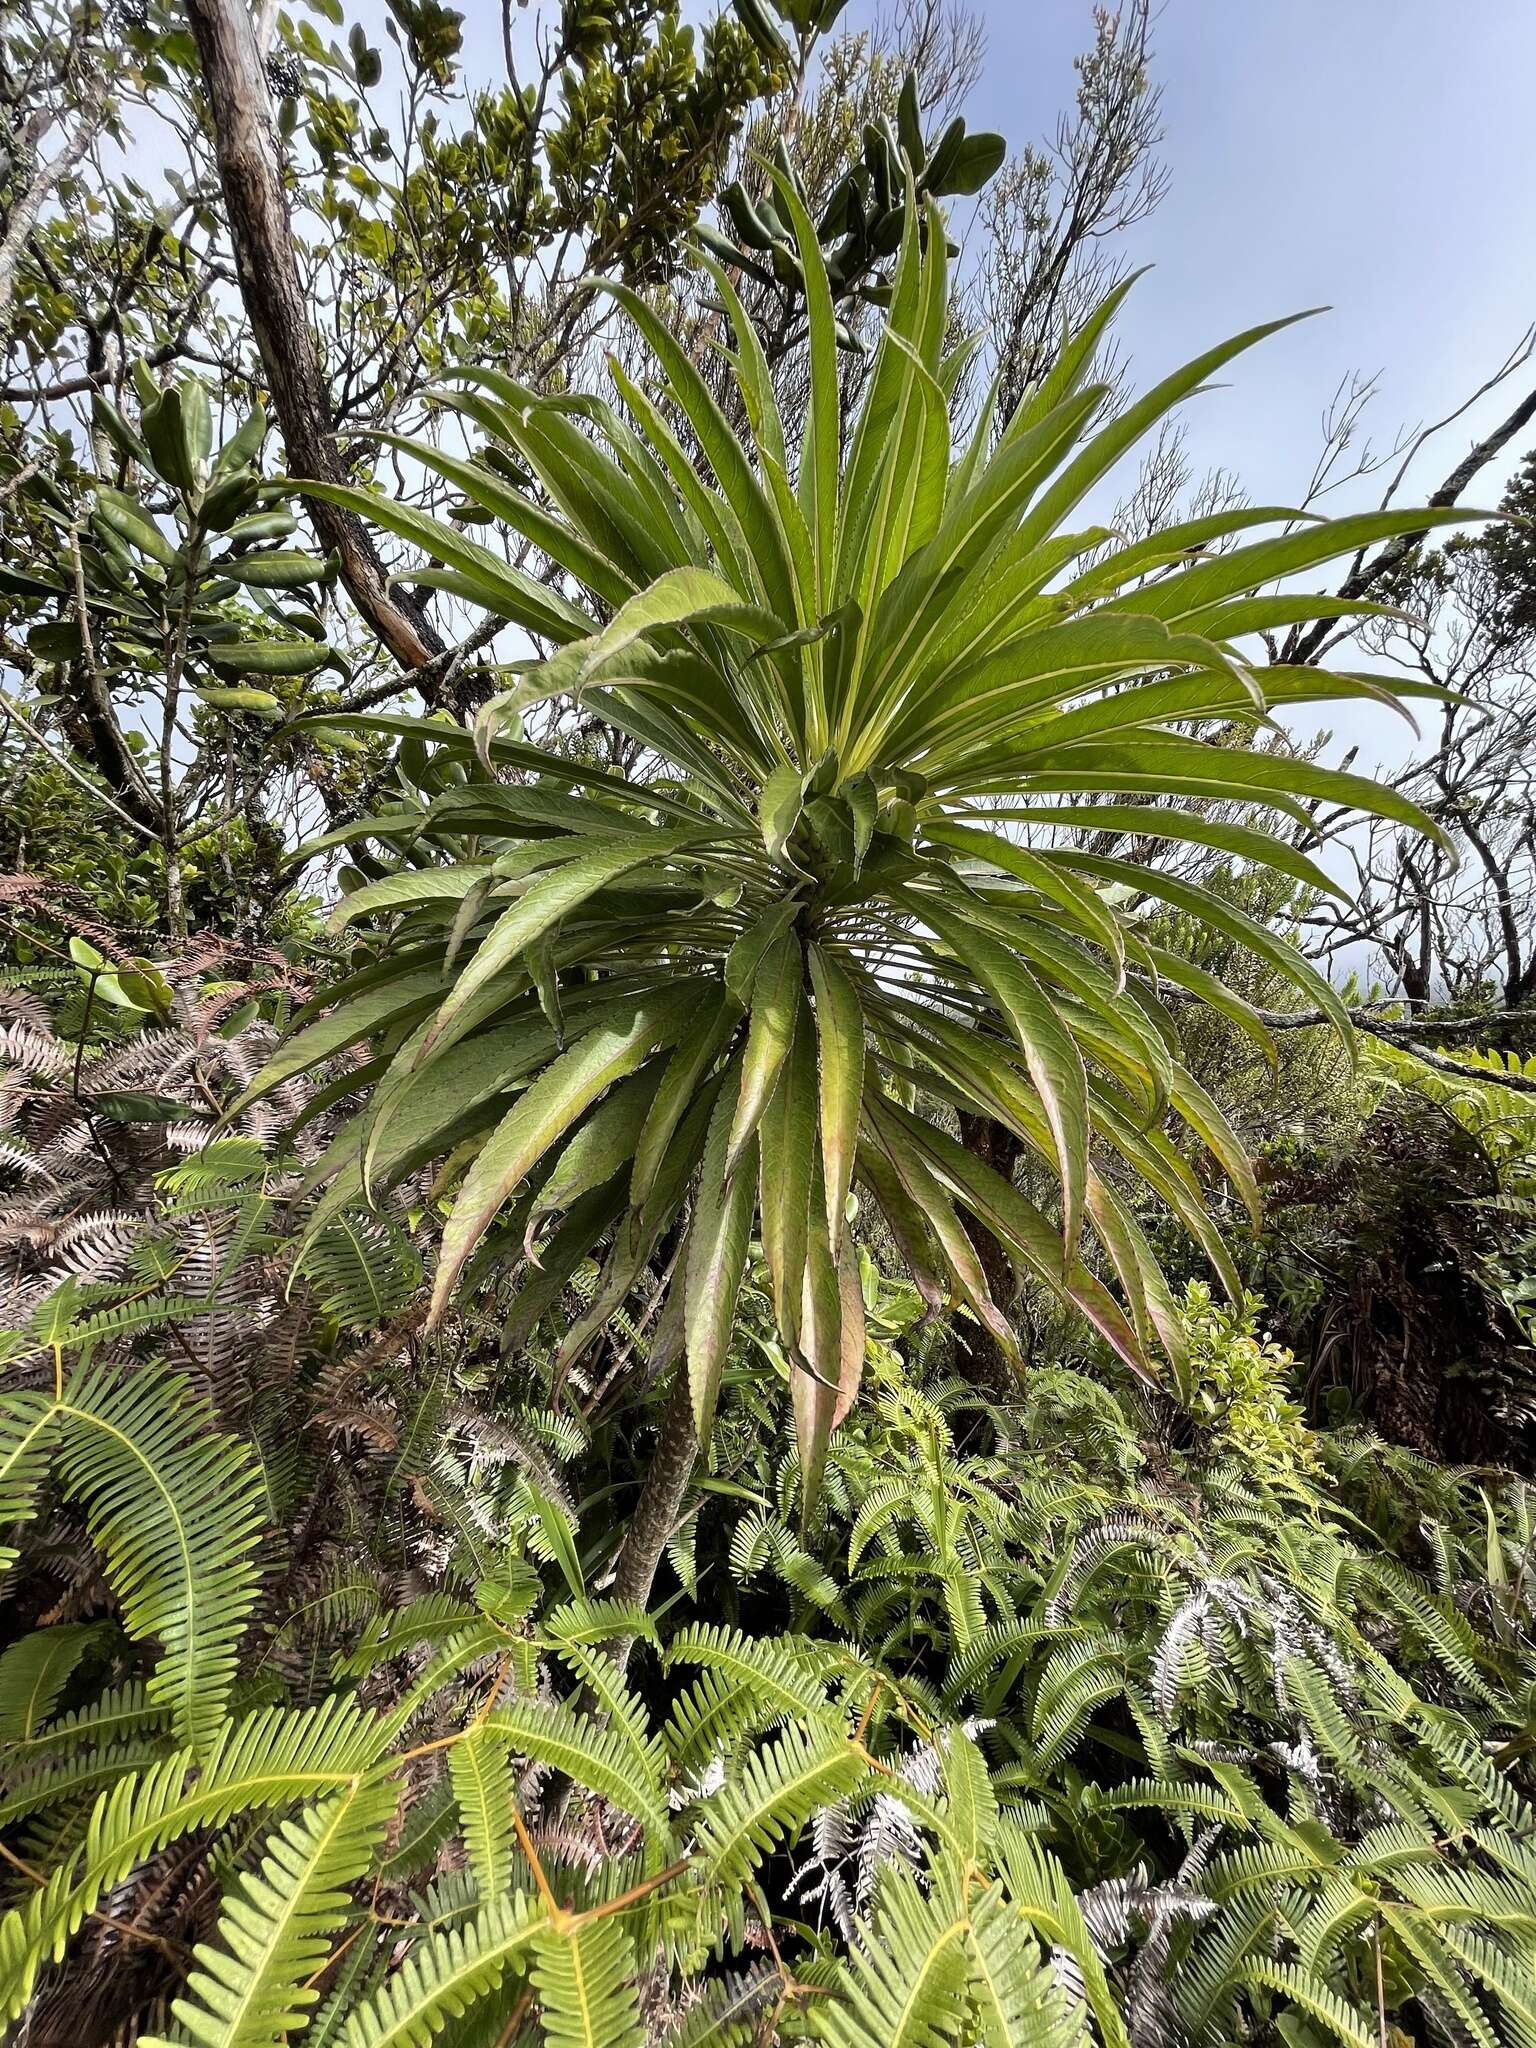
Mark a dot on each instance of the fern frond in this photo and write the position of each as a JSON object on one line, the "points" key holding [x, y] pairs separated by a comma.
{"points": [[350, 1982], [1038, 1890], [124, 1710], [592, 1756], [1313, 1996], [971, 1814], [779, 1788], [904, 1984], [1077, 1678], [362, 1267], [29, 1427], [175, 1507], [428, 1824], [729, 2013], [49, 1784], [761, 1677], [1003, 1641], [596, 1621], [1441, 1973], [1327, 1921], [447, 1975], [586, 1985], [1510, 1978], [617, 1707], [35, 1670], [1448, 1634], [266, 1760], [435, 1618], [1311, 1692], [712, 1717], [1016, 2001], [1262, 1866], [761, 1541], [1171, 1795], [255, 1989], [682, 1555], [480, 1768], [122, 1319], [475, 1643], [1210, 1980], [1463, 1758], [1092, 1547]]}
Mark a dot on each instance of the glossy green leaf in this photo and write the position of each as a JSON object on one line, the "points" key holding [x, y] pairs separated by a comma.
{"points": [[840, 1043], [787, 1162]]}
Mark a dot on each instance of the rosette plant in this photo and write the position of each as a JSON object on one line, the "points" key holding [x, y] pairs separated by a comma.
{"points": [[890, 711]]}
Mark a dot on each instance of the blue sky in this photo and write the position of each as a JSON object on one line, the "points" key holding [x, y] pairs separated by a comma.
{"points": [[1376, 156]]}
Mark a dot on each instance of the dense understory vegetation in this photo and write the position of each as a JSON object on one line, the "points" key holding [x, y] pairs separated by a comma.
{"points": [[732, 1341], [1089, 1716]]}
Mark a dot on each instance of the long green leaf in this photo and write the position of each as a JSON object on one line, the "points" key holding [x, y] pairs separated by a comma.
{"points": [[716, 1256], [541, 1116]]}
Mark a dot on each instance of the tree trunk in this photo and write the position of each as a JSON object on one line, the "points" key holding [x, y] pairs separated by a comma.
{"points": [[250, 172], [90, 725], [982, 1358], [656, 1510]]}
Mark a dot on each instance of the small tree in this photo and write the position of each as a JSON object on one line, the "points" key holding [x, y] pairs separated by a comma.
{"points": [[720, 992], [1455, 921], [169, 619]]}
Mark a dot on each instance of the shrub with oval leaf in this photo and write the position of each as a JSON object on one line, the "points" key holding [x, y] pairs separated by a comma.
{"points": [[892, 711]]}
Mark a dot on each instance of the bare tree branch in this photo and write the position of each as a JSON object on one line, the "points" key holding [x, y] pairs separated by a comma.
{"points": [[44, 182], [1306, 643]]}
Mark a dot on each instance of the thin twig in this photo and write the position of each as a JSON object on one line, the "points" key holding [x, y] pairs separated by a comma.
{"points": [[10, 709]]}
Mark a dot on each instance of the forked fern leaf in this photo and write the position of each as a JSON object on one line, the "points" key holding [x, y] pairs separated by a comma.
{"points": [[256, 1764], [767, 1674], [35, 1670], [904, 1984], [778, 1790], [482, 1784], [1017, 2002], [124, 1710], [1313, 1996], [594, 1757], [363, 1268]]}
